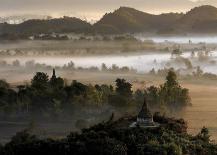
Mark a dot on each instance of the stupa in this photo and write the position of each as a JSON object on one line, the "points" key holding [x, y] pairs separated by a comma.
{"points": [[144, 118]]}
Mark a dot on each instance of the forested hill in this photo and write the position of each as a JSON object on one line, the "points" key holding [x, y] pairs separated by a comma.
{"points": [[117, 138], [126, 20], [201, 19], [59, 25]]}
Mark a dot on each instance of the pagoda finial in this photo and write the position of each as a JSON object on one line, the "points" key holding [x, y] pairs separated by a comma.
{"points": [[54, 74], [145, 112], [145, 105]]}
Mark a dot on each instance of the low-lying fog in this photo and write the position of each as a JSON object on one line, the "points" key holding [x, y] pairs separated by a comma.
{"points": [[142, 62], [180, 39], [203, 97]]}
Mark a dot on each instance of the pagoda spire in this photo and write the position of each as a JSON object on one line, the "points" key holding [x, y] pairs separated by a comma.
{"points": [[54, 74], [145, 112], [145, 105]]}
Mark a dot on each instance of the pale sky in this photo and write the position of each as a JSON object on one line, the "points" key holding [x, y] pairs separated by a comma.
{"points": [[94, 9]]}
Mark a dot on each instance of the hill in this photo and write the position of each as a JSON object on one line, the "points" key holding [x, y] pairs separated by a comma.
{"points": [[202, 13], [198, 20], [116, 138], [201, 19], [59, 25], [129, 20]]}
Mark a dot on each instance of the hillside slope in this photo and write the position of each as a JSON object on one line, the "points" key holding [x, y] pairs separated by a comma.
{"points": [[201, 19], [116, 138], [125, 20], [60, 25]]}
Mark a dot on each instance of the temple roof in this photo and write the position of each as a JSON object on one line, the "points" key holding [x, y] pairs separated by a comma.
{"points": [[145, 112]]}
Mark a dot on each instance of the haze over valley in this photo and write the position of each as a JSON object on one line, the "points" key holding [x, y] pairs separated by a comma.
{"points": [[117, 77]]}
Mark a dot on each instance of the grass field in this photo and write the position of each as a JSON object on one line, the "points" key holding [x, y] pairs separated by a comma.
{"points": [[203, 111]]}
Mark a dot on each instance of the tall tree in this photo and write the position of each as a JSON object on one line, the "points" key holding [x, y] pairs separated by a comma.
{"points": [[123, 88], [171, 79], [40, 80]]}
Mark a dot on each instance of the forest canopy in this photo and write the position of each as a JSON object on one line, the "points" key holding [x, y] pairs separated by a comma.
{"points": [[117, 138], [52, 97]]}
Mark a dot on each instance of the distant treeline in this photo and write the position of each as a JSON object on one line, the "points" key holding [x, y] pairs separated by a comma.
{"points": [[196, 73], [52, 97], [77, 46], [31, 65]]}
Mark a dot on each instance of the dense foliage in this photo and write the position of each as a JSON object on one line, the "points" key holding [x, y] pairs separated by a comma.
{"points": [[170, 93], [116, 138], [51, 97]]}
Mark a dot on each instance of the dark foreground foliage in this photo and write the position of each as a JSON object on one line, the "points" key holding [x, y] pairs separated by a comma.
{"points": [[116, 138]]}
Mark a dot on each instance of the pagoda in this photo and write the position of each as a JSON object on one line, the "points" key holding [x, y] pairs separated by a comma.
{"points": [[144, 118]]}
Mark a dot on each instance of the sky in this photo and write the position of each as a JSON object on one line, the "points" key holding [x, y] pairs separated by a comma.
{"points": [[94, 9]]}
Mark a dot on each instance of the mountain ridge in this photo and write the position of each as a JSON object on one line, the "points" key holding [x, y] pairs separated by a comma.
{"points": [[134, 20], [202, 19], [166, 23]]}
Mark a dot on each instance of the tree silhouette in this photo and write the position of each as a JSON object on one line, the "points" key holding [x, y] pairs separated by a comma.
{"points": [[171, 79], [123, 88], [40, 80]]}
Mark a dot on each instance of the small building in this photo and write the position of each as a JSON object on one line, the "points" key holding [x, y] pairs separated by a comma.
{"points": [[144, 118]]}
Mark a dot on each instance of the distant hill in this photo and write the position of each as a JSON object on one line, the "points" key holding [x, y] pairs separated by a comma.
{"points": [[131, 20], [203, 13], [201, 19], [17, 19], [60, 25], [198, 20]]}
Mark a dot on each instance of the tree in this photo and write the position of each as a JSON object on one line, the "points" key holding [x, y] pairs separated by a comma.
{"points": [[57, 83], [152, 95], [22, 137], [16, 63], [71, 65], [171, 79], [104, 67], [78, 88], [123, 94], [105, 91], [170, 94], [23, 97], [8, 98], [177, 52], [40, 80], [123, 88], [199, 72], [138, 97], [4, 84], [204, 134]]}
